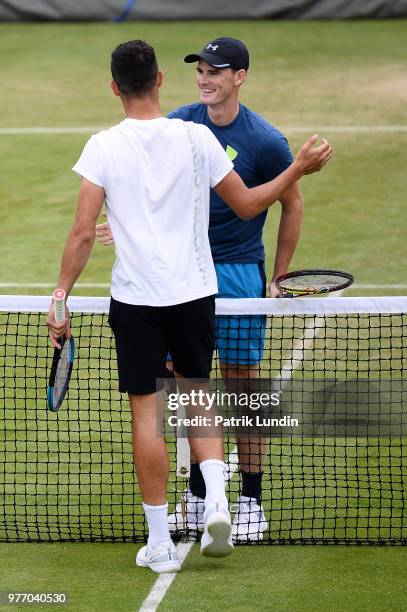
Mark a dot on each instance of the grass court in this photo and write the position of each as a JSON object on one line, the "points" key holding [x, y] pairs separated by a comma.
{"points": [[346, 80]]}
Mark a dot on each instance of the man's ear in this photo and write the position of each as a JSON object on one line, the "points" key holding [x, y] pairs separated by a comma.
{"points": [[160, 78], [240, 77], [115, 89]]}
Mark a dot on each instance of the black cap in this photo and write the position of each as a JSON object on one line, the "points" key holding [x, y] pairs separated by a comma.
{"points": [[222, 53]]}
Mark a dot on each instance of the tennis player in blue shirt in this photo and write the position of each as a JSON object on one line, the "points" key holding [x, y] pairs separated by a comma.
{"points": [[259, 153]]}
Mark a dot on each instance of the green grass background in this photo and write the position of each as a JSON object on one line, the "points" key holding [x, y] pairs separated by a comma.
{"points": [[302, 74], [286, 578]]}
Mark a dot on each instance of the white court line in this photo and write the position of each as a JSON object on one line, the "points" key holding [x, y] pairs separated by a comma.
{"points": [[164, 581], [395, 286], [39, 131], [300, 347], [345, 129], [50, 285], [28, 285]]}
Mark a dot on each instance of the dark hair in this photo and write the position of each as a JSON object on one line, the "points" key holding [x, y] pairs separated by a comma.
{"points": [[134, 68]]}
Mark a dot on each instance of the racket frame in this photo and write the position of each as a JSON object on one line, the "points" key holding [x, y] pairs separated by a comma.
{"points": [[55, 362], [58, 298], [346, 276]]}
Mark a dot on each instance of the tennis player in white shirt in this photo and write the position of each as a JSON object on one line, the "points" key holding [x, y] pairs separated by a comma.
{"points": [[155, 175]]}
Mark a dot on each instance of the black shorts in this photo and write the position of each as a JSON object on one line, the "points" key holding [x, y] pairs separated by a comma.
{"points": [[145, 334]]}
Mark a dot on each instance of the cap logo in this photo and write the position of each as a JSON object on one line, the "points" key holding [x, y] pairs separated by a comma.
{"points": [[213, 47]]}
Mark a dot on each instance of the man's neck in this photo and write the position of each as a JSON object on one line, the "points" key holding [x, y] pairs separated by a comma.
{"points": [[224, 113], [142, 108]]}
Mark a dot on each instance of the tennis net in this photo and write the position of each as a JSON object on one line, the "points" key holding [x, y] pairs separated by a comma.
{"points": [[68, 476]]}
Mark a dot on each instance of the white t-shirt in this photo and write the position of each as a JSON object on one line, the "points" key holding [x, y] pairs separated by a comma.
{"points": [[156, 175]]}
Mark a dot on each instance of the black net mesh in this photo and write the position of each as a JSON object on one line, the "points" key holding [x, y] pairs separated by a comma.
{"points": [[69, 475]]}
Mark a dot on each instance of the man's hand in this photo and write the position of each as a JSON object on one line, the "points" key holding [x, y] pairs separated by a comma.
{"points": [[104, 233], [274, 292], [57, 330], [311, 159]]}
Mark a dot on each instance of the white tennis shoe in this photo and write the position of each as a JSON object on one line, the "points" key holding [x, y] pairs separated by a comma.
{"points": [[216, 540], [194, 512], [164, 558], [249, 522]]}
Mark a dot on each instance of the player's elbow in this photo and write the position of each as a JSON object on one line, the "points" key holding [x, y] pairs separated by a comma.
{"points": [[243, 200], [298, 204], [256, 201], [245, 213], [247, 208], [250, 209], [83, 236], [293, 206]]}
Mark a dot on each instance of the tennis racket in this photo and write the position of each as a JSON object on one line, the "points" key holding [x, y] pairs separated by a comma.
{"points": [[62, 361], [312, 282]]}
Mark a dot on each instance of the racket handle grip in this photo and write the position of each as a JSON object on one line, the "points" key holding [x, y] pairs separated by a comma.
{"points": [[59, 305]]}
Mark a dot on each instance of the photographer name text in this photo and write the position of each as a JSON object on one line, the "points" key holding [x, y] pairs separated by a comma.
{"points": [[244, 421]]}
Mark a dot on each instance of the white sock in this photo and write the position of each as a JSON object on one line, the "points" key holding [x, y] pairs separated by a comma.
{"points": [[157, 519], [213, 471]]}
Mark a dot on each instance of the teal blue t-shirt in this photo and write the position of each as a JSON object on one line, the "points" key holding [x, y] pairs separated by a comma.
{"points": [[259, 153]]}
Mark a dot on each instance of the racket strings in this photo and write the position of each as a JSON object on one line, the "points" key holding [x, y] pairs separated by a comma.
{"points": [[63, 371], [313, 281]]}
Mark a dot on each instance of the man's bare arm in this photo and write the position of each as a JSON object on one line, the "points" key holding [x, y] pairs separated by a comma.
{"points": [[78, 248], [288, 232], [248, 203]]}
